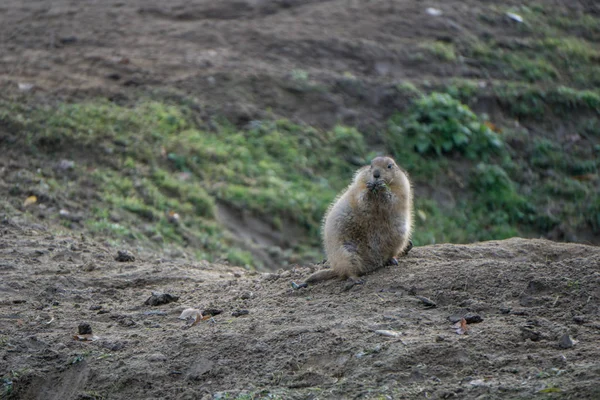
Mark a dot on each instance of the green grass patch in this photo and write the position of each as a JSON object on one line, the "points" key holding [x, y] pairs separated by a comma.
{"points": [[441, 50]]}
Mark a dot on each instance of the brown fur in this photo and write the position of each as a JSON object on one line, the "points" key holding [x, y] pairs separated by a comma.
{"points": [[369, 224]]}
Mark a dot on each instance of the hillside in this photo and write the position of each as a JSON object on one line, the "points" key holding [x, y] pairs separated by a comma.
{"points": [[246, 118], [207, 138]]}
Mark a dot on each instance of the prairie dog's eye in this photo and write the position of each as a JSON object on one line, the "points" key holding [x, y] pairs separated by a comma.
{"points": [[390, 166]]}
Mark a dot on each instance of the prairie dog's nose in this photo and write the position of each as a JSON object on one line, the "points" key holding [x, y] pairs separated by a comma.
{"points": [[376, 174]]}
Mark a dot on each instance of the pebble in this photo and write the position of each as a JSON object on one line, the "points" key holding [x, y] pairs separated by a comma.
{"points": [[471, 318], [160, 298], [565, 342], [426, 301], [239, 313], [157, 357], [385, 332], [124, 256], [84, 328]]}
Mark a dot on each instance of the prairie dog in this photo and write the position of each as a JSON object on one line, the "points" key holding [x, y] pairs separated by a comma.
{"points": [[369, 224]]}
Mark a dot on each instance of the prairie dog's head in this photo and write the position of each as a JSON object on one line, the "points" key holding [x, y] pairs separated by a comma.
{"points": [[383, 170]]}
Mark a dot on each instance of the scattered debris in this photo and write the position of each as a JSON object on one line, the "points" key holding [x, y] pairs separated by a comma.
{"points": [[192, 316], [239, 313], [565, 342], [297, 286], [514, 17], [461, 327], [427, 302], [385, 332], [434, 12], [30, 200], [158, 298], [124, 256]]}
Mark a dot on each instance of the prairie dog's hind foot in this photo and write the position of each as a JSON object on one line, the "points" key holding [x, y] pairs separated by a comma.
{"points": [[392, 261], [407, 249]]}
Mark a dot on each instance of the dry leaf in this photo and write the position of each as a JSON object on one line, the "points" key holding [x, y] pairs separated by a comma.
{"points": [[461, 326], [29, 201], [192, 316], [585, 177], [492, 126]]}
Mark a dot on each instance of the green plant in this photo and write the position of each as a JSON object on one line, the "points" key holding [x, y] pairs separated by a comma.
{"points": [[441, 50], [438, 124]]}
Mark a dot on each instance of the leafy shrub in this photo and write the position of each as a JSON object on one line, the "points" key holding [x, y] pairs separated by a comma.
{"points": [[438, 124]]}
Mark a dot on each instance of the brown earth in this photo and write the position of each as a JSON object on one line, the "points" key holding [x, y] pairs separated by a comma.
{"points": [[239, 57], [316, 342]]}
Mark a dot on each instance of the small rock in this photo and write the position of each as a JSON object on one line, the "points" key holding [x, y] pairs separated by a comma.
{"points": [[528, 333], [88, 267], [84, 329], [124, 256], [297, 286], [65, 214], [565, 342], [270, 277], [239, 313], [95, 307], [434, 12], [247, 295], [514, 17], [157, 357], [579, 319], [385, 332], [427, 302], [25, 87], [469, 317], [211, 311], [160, 298], [68, 39]]}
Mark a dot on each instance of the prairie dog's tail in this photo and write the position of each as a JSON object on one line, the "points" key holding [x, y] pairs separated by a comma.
{"points": [[322, 275]]}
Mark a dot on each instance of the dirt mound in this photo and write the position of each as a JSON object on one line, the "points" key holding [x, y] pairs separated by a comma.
{"points": [[392, 336]]}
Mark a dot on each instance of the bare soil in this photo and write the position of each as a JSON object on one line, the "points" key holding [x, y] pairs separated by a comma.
{"points": [[316, 342], [239, 57]]}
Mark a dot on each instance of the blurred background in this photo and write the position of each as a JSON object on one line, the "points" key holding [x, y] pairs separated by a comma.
{"points": [[222, 130]]}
